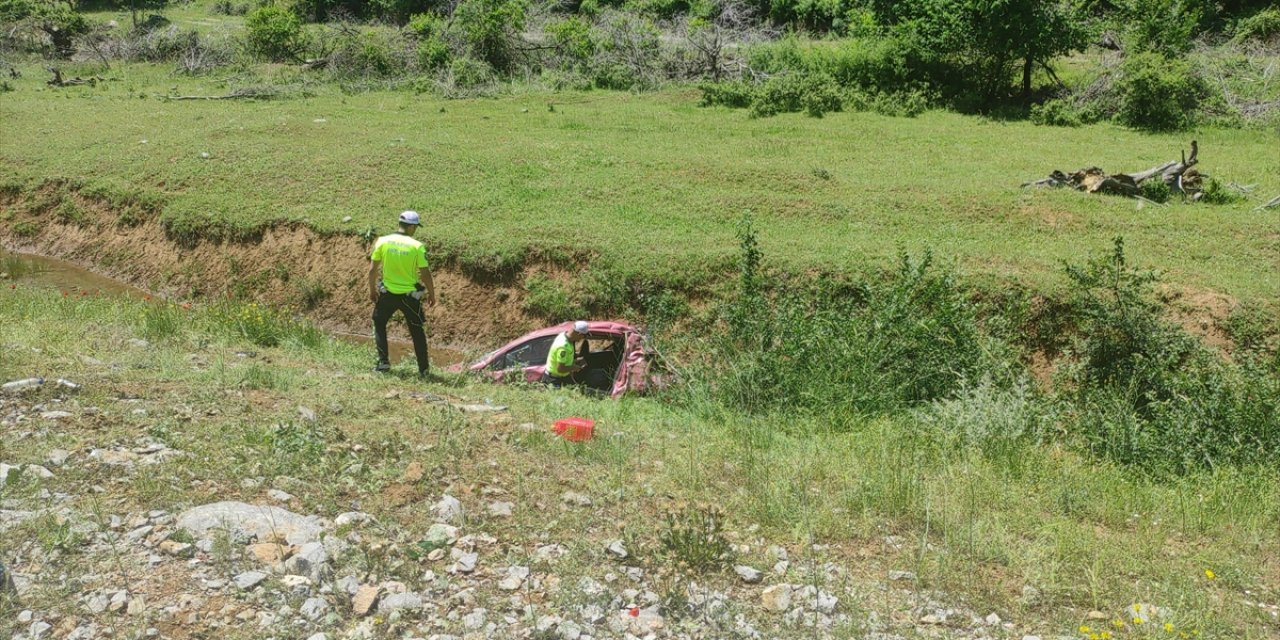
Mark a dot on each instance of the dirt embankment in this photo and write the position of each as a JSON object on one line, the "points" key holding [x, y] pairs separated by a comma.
{"points": [[287, 265]]}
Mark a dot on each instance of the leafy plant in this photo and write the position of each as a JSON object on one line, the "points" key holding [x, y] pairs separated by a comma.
{"points": [[274, 33], [694, 539]]}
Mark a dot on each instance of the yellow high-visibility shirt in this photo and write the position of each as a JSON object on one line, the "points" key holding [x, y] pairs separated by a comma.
{"points": [[401, 257]]}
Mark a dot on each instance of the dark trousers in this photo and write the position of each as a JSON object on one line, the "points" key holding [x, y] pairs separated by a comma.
{"points": [[388, 303]]}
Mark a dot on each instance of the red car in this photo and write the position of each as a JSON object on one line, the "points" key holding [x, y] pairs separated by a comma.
{"points": [[615, 353]]}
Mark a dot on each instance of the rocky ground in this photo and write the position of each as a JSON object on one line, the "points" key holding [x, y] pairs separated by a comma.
{"points": [[242, 557]]}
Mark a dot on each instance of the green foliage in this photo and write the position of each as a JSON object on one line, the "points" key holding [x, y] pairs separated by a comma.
{"points": [[1263, 26], [470, 74], [1216, 193], [311, 292], [162, 320], [1166, 27], [694, 540], [735, 94], [370, 54], [26, 228], [1155, 190], [57, 21], [489, 29], [549, 299], [814, 94], [867, 64], [843, 349], [573, 40], [1158, 93], [1058, 112], [274, 33], [267, 327], [1250, 327]]}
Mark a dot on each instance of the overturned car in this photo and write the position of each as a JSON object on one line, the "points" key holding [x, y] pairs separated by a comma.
{"points": [[616, 354]]}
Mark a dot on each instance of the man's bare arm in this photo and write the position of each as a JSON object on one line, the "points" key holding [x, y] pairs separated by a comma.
{"points": [[424, 275], [374, 275]]}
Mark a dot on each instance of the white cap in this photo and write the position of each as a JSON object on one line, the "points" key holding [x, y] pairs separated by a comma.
{"points": [[410, 217], [581, 327]]}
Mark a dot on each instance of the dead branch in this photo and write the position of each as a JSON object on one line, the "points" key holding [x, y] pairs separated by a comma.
{"points": [[1179, 175], [1274, 202], [229, 96], [59, 81]]}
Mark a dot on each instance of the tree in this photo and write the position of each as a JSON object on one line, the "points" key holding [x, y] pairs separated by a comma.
{"points": [[993, 37]]}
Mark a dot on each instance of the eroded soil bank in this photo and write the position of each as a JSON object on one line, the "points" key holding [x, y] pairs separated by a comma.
{"points": [[289, 266]]}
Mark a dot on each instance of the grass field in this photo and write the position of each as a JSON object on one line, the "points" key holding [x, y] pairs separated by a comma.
{"points": [[1048, 540], [644, 182]]}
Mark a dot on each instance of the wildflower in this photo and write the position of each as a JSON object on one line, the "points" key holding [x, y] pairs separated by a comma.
{"points": [[635, 612], [1117, 623], [1084, 628], [1208, 573], [1105, 635], [1137, 620], [1168, 626], [1137, 607]]}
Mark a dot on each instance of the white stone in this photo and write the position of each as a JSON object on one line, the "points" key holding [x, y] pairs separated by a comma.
{"points": [[514, 578], [449, 509], [749, 575], [776, 598], [245, 521], [398, 601], [249, 579], [616, 549], [501, 509]]}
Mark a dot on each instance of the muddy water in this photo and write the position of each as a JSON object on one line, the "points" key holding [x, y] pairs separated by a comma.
{"points": [[57, 274]]}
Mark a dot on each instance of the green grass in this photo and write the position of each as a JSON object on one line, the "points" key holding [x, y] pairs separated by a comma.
{"points": [[642, 181], [977, 525]]}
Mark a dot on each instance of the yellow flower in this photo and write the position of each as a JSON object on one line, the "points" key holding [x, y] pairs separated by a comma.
{"points": [[1168, 626], [1084, 629], [1106, 635], [1137, 620], [1208, 573], [1117, 623], [1137, 607]]}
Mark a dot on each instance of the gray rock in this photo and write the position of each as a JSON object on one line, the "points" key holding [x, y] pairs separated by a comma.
{"points": [[311, 560], [40, 629], [9, 473], [249, 579], [306, 413], [549, 552], [400, 601], [55, 415], [475, 619], [616, 549], [244, 521], [278, 495], [348, 584], [569, 630], [514, 578], [576, 499], [501, 509], [314, 608], [439, 535], [749, 575], [351, 517], [449, 509], [466, 563], [905, 576]]}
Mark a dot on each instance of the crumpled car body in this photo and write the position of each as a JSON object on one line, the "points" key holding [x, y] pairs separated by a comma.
{"points": [[617, 349]]}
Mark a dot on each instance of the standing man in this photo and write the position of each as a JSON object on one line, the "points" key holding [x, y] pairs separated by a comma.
{"points": [[562, 362], [399, 280]]}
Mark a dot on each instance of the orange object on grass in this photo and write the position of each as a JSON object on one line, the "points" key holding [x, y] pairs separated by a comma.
{"points": [[575, 429]]}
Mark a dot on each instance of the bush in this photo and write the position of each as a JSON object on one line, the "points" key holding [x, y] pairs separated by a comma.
{"points": [[489, 29], [1215, 193], [845, 350], [868, 64], [1158, 93], [735, 94], [274, 33], [1263, 26], [1058, 112], [373, 53], [229, 8], [1155, 190], [1163, 26], [814, 94]]}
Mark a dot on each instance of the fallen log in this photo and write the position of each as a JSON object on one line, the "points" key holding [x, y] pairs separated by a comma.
{"points": [[59, 81], [1179, 175], [1274, 202]]}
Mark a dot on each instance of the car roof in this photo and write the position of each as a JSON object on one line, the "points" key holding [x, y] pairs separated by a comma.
{"points": [[593, 327]]}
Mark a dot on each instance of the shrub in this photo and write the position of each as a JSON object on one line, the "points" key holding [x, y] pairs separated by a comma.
{"points": [[489, 29], [1155, 190], [1263, 26], [868, 64], [847, 349], [229, 8], [470, 74], [814, 94], [1058, 112], [274, 33], [374, 53], [1163, 26], [1215, 193], [735, 94], [694, 540], [1158, 93]]}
